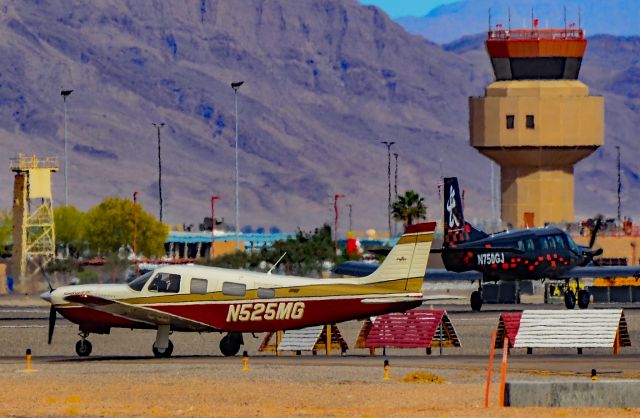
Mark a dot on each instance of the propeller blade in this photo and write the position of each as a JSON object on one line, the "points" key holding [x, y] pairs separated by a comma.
{"points": [[594, 231], [52, 322]]}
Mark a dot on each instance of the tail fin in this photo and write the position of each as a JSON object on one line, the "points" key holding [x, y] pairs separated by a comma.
{"points": [[407, 260], [456, 229]]}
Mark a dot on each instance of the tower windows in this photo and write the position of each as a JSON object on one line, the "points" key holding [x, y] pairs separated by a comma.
{"points": [[510, 121], [530, 122]]}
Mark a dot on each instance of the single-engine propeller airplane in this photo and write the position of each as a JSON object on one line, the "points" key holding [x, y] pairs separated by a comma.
{"points": [[207, 299], [523, 254]]}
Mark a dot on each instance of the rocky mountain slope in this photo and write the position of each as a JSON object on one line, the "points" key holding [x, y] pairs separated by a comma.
{"points": [[325, 82]]}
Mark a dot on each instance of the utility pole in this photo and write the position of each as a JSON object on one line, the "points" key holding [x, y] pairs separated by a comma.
{"points": [[388, 145], [235, 86], [158, 126], [395, 191], [335, 229], [65, 94], [619, 185], [213, 223], [135, 232]]}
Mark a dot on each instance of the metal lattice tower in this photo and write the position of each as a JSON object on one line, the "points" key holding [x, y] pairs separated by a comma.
{"points": [[34, 241]]}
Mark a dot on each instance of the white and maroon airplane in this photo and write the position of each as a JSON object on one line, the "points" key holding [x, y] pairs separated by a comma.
{"points": [[207, 299]]}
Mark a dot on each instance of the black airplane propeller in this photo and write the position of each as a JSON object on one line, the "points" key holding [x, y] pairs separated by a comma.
{"points": [[52, 310]]}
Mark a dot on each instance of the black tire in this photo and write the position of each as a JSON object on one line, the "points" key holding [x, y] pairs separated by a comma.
{"points": [[166, 353], [583, 299], [569, 299], [476, 300], [229, 346], [83, 348]]}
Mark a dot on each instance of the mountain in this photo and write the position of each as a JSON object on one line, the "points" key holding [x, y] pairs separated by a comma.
{"points": [[325, 82], [449, 22], [610, 68]]}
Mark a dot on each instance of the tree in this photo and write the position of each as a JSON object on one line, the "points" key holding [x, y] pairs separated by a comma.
{"points": [[110, 226], [408, 208], [6, 227], [70, 225]]}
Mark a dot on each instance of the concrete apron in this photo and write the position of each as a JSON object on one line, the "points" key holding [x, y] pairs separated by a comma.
{"points": [[603, 393]]}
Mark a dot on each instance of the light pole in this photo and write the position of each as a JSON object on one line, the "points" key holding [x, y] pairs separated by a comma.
{"points": [[389, 144], [395, 191], [135, 232], [158, 126], [235, 86], [65, 94], [335, 229], [350, 211], [619, 184], [213, 222]]}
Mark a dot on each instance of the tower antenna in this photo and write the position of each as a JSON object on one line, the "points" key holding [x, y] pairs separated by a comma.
{"points": [[489, 12]]}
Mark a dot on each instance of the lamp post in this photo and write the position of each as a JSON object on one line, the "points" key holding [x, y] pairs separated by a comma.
{"points": [[65, 94], [213, 222], [395, 191], [135, 232], [158, 127], [389, 144], [335, 229], [619, 184], [235, 86], [350, 211]]}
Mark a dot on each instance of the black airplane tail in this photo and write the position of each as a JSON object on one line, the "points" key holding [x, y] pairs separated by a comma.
{"points": [[456, 229]]}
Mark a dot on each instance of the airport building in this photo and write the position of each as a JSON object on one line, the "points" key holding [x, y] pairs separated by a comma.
{"points": [[536, 120]]}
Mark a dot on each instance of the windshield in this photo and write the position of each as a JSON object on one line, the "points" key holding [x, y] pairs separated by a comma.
{"points": [[139, 283]]}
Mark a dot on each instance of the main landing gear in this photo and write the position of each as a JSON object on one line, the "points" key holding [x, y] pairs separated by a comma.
{"points": [[476, 298], [163, 347], [83, 346], [570, 299], [230, 343]]}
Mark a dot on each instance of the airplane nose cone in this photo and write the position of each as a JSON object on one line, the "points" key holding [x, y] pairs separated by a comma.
{"points": [[46, 296]]}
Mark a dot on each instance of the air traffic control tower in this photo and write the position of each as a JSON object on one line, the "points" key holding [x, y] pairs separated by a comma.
{"points": [[536, 121]]}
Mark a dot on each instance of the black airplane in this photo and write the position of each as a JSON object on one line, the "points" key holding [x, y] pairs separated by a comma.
{"points": [[523, 254]]}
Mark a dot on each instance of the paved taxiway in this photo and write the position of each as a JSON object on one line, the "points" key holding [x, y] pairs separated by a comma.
{"points": [[122, 378]]}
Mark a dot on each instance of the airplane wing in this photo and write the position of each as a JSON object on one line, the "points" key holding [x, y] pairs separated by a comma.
{"points": [[607, 272], [361, 269], [137, 313]]}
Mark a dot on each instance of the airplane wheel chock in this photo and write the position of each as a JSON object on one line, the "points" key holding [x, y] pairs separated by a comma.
{"points": [[166, 353], [569, 299], [583, 299], [83, 348], [230, 344]]}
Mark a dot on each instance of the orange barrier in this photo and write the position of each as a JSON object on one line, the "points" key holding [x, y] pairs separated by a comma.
{"points": [[493, 349], [503, 369]]}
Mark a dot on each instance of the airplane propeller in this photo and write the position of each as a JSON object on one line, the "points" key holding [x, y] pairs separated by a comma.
{"points": [[588, 253], [53, 313]]}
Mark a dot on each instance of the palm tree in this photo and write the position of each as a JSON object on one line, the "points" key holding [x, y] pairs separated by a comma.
{"points": [[408, 208]]}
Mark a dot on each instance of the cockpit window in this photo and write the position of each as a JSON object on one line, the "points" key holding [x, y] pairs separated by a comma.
{"points": [[166, 283], [138, 284]]}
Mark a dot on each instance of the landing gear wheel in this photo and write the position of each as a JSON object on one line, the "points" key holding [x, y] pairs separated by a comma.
{"points": [[583, 299], [476, 300], [166, 353], [229, 346], [569, 299], [83, 348]]}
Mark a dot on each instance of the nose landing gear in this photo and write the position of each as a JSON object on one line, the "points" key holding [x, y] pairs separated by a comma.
{"points": [[83, 346]]}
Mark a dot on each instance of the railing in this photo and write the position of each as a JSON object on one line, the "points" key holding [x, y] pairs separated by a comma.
{"points": [[24, 163], [535, 34]]}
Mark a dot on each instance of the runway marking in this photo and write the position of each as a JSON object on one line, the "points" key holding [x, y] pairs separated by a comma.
{"points": [[32, 326], [41, 311]]}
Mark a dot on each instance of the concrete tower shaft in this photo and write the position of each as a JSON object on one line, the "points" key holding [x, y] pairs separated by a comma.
{"points": [[536, 122]]}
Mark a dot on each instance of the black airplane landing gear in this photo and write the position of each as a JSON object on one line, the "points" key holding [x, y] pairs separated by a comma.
{"points": [[83, 346], [166, 353], [230, 343], [569, 299], [476, 300], [584, 298]]}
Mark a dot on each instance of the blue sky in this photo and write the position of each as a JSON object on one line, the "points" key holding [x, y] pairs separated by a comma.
{"points": [[399, 8]]}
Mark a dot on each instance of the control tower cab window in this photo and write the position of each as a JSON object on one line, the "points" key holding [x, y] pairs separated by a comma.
{"points": [[530, 122], [511, 120], [165, 283]]}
